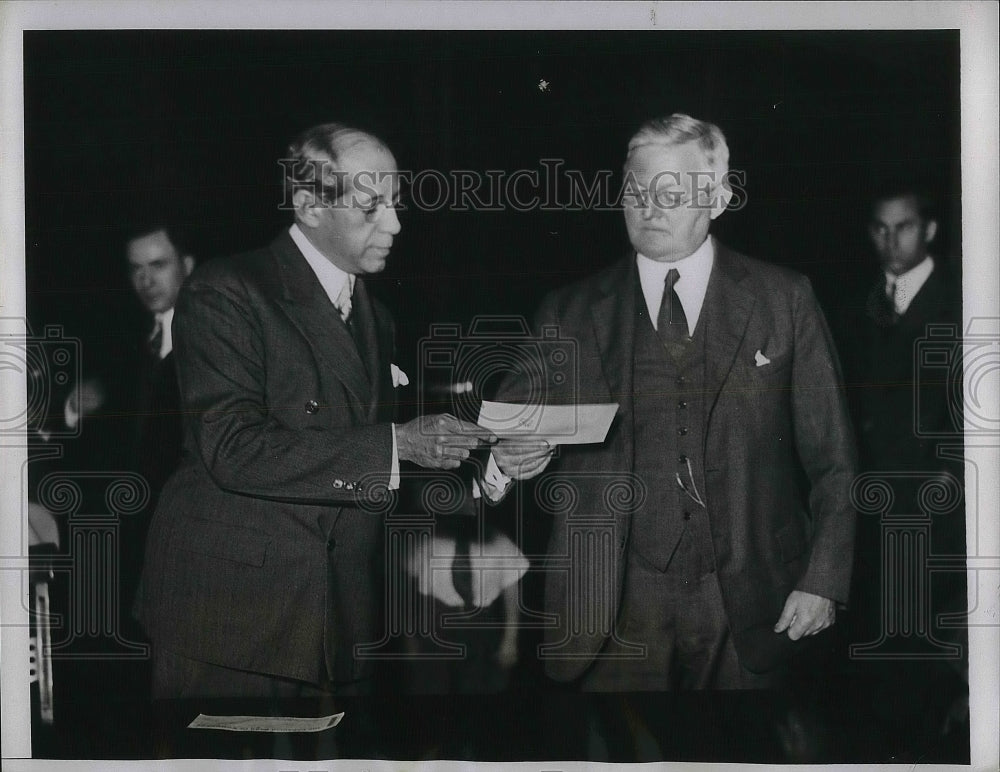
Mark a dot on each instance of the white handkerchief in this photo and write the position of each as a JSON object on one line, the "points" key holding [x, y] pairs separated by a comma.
{"points": [[398, 377], [760, 359], [495, 563]]}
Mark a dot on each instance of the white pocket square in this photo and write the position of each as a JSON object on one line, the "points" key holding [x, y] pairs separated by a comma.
{"points": [[398, 377], [760, 359]]}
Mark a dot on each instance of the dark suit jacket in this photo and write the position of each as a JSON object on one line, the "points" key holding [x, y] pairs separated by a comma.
{"points": [[767, 429], [259, 556], [881, 363], [153, 447], [159, 429]]}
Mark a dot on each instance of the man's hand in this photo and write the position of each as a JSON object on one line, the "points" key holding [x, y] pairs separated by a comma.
{"points": [[805, 614], [86, 399], [439, 441], [522, 460]]}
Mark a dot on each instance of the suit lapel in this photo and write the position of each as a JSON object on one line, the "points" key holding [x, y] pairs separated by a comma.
{"points": [[926, 304], [307, 305], [726, 311], [613, 315]]}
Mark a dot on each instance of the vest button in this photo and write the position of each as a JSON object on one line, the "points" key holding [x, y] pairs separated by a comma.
{"points": [[681, 380], [682, 404], [331, 544], [682, 430], [682, 459], [312, 407], [687, 515]]}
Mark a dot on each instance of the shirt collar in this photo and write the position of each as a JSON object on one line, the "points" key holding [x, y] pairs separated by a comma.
{"points": [[331, 278], [696, 265], [694, 270], [165, 320]]}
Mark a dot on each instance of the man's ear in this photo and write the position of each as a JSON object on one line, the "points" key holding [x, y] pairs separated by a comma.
{"points": [[304, 204], [188, 263], [930, 231], [721, 194]]}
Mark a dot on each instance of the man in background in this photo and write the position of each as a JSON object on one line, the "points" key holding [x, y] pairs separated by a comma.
{"points": [[901, 408], [158, 263]]}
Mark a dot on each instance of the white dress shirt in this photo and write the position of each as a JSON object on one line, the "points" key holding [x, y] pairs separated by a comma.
{"points": [[694, 271], [908, 284], [332, 279], [165, 319], [691, 286]]}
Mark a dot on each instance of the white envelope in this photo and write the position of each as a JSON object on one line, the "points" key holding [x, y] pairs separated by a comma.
{"points": [[557, 424]]}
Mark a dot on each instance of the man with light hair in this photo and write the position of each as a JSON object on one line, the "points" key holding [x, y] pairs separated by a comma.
{"points": [[732, 434]]}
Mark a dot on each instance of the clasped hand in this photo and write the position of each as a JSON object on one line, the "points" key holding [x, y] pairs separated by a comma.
{"points": [[522, 459], [440, 441]]}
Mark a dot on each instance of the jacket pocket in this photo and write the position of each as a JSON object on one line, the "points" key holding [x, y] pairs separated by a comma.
{"points": [[218, 540]]}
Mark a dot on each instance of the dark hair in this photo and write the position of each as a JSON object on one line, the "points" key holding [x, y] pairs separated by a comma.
{"points": [[179, 235], [888, 190], [312, 147]]}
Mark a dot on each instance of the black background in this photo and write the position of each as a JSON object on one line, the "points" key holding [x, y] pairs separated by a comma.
{"points": [[192, 123]]}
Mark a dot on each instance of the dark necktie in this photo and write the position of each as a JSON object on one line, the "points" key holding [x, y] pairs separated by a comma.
{"points": [[156, 340], [884, 310], [671, 322], [347, 307]]}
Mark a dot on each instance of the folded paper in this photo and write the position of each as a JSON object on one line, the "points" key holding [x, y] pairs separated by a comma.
{"points": [[557, 424], [266, 723]]}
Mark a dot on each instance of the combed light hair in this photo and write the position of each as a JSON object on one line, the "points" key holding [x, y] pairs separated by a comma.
{"points": [[679, 129], [325, 142]]}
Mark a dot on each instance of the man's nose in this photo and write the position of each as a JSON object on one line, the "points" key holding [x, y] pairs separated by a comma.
{"points": [[651, 211], [389, 221]]}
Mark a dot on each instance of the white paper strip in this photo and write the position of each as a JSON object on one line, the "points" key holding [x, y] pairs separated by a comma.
{"points": [[558, 424], [266, 723]]}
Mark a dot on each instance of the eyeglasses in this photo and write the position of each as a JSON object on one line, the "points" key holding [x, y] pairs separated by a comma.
{"points": [[372, 210], [641, 198]]}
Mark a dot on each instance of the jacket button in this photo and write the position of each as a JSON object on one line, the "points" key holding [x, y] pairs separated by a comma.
{"points": [[687, 515], [682, 404], [312, 407], [331, 544], [682, 430], [682, 459]]}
